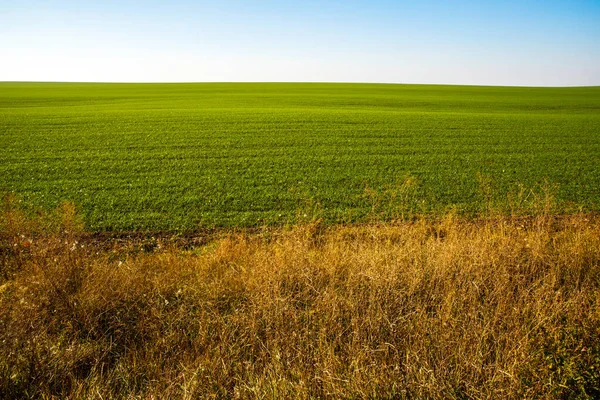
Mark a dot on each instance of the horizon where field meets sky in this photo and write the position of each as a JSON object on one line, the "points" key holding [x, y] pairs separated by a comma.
{"points": [[524, 43]]}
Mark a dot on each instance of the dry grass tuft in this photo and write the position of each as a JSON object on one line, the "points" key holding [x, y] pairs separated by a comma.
{"points": [[452, 308]]}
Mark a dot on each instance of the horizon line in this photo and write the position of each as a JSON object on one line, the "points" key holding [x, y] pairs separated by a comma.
{"points": [[298, 82]]}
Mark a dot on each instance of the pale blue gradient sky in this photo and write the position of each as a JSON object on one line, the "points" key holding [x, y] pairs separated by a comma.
{"points": [[533, 43]]}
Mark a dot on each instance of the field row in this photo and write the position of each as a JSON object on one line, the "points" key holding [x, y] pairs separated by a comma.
{"points": [[186, 156]]}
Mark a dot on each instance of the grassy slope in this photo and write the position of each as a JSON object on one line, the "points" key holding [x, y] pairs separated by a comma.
{"points": [[172, 156]]}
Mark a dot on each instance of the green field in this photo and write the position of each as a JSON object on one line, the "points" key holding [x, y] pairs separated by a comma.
{"points": [[184, 156]]}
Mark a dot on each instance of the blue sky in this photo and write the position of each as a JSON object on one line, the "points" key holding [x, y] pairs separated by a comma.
{"points": [[533, 43]]}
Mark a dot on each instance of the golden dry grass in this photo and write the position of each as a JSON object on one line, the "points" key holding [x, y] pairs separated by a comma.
{"points": [[452, 308]]}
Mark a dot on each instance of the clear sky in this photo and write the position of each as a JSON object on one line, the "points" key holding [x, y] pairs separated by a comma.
{"points": [[533, 43]]}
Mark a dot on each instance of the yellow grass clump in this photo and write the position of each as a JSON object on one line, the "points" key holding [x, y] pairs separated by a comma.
{"points": [[453, 308]]}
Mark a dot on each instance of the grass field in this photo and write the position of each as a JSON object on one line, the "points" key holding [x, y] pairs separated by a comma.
{"points": [[439, 305], [185, 156]]}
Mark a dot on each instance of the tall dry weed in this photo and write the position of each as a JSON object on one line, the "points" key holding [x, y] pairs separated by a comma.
{"points": [[448, 308]]}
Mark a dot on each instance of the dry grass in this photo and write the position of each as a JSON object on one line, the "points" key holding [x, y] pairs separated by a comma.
{"points": [[454, 308]]}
